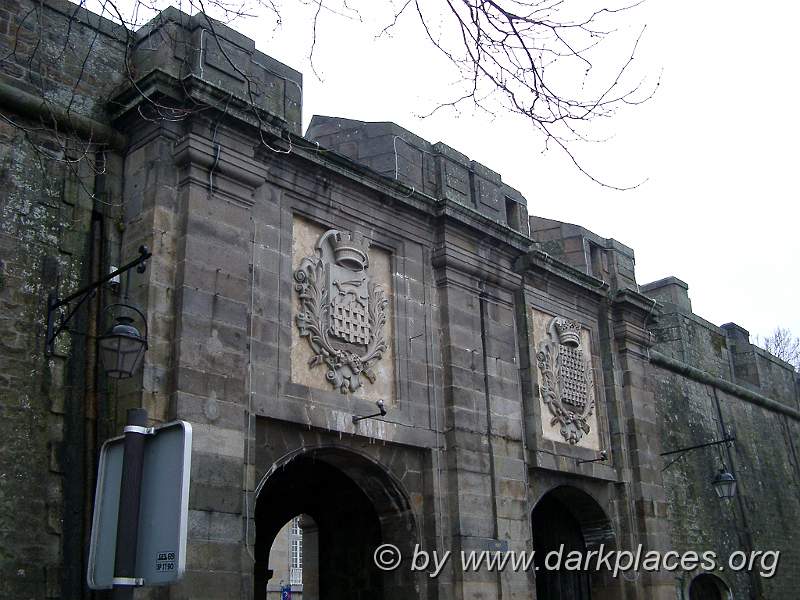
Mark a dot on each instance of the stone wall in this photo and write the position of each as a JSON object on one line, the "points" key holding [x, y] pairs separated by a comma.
{"points": [[42, 412], [722, 398], [59, 211]]}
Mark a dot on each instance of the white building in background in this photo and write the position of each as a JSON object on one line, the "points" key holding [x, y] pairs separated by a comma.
{"points": [[287, 568]]}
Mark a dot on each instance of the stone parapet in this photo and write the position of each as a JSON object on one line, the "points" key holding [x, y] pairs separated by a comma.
{"points": [[603, 258], [434, 169]]}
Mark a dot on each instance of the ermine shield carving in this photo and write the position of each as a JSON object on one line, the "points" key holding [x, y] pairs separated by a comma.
{"points": [[342, 312], [566, 379]]}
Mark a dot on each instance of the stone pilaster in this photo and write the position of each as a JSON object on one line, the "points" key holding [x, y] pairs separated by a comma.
{"points": [[484, 437], [638, 436]]}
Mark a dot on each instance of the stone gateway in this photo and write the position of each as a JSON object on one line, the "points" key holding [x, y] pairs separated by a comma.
{"points": [[530, 383]]}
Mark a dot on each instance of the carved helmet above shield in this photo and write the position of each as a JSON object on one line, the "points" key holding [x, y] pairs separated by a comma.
{"points": [[342, 311], [566, 378]]}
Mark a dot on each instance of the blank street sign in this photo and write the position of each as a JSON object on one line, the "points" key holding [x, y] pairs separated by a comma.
{"points": [[163, 512]]}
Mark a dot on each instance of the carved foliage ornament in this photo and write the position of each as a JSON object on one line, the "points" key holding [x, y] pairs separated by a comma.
{"points": [[342, 312], [566, 383]]}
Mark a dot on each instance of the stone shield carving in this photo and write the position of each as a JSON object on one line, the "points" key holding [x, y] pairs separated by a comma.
{"points": [[342, 312], [566, 379]]}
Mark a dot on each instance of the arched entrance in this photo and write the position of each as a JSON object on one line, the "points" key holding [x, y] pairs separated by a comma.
{"points": [[568, 517], [355, 506], [708, 587]]}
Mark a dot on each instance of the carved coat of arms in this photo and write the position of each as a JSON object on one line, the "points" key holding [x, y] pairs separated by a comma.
{"points": [[566, 384], [342, 312]]}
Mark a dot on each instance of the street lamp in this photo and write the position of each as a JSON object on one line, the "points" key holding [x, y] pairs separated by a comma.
{"points": [[123, 347], [724, 484]]}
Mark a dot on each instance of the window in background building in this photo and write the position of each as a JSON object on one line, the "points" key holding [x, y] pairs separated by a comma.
{"points": [[296, 553]]}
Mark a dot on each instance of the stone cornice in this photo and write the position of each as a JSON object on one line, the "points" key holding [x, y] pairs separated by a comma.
{"points": [[159, 84], [449, 258], [468, 216], [724, 385], [632, 301], [632, 311], [537, 260], [193, 149], [38, 108]]}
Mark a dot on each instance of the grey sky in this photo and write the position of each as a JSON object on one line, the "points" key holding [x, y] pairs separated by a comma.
{"points": [[716, 144]]}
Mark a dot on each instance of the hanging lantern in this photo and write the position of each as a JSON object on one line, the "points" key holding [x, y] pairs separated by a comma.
{"points": [[724, 484], [122, 348]]}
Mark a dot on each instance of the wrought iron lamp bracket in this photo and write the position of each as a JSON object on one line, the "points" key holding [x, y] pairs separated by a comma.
{"points": [[601, 458], [55, 304], [382, 413], [728, 439]]}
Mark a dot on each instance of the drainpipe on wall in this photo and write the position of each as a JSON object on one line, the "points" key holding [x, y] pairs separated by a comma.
{"points": [[90, 381], [745, 537], [495, 532]]}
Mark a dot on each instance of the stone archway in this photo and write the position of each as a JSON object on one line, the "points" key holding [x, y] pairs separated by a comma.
{"points": [[355, 505], [707, 586], [570, 517]]}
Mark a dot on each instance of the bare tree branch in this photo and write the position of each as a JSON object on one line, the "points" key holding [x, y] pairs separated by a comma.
{"points": [[783, 344], [536, 58]]}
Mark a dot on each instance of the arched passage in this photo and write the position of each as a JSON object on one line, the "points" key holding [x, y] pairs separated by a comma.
{"points": [[570, 517], [355, 506], [708, 587]]}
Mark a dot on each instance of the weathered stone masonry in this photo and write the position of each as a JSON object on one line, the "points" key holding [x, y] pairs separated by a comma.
{"points": [[230, 200]]}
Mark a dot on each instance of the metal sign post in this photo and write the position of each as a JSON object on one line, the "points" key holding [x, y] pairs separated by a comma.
{"points": [[128, 520], [141, 507]]}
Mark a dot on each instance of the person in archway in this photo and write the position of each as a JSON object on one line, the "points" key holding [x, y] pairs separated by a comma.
{"points": [[286, 591]]}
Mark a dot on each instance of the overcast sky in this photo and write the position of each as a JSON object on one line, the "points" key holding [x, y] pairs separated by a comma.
{"points": [[717, 143]]}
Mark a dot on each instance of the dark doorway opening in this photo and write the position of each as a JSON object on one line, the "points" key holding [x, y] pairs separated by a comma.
{"points": [[708, 587], [569, 517], [348, 507], [554, 526]]}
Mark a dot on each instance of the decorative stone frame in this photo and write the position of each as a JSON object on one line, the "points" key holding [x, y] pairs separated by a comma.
{"points": [[553, 454], [352, 403], [411, 413]]}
